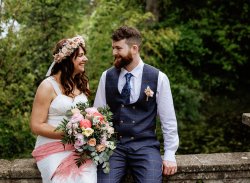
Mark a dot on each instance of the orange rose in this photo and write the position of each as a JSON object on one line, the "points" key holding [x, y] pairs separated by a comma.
{"points": [[100, 147], [92, 142]]}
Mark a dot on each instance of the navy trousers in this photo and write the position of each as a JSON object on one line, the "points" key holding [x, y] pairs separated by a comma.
{"points": [[144, 164]]}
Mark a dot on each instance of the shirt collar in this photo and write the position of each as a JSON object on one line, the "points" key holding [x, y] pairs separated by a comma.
{"points": [[136, 71]]}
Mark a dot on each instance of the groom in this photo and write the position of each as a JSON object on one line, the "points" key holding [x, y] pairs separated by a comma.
{"points": [[136, 93]]}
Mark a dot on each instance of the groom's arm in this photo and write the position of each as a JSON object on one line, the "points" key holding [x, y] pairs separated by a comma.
{"points": [[166, 112], [100, 98]]}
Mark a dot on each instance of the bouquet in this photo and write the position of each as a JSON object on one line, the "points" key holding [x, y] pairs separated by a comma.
{"points": [[91, 133]]}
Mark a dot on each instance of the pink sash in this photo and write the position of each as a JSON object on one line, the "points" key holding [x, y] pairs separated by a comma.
{"points": [[67, 167]]}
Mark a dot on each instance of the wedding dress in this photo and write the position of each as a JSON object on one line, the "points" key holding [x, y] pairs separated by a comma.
{"points": [[56, 162]]}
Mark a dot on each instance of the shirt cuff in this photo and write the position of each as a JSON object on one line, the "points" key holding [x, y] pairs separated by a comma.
{"points": [[169, 156]]}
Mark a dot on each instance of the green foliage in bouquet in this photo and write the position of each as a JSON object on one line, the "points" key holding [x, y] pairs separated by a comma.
{"points": [[91, 133]]}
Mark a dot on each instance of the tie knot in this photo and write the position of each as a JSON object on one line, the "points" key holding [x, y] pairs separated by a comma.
{"points": [[128, 76]]}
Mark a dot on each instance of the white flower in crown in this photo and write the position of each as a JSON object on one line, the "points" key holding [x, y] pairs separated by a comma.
{"points": [[148, 92], [68, 48], [64, 50]]}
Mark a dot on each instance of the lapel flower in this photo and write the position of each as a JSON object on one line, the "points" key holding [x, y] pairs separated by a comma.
{"points": [[148, 92]]}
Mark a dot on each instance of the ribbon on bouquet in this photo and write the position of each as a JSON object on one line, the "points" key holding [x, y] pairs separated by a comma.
{"points": [[68, 166]]}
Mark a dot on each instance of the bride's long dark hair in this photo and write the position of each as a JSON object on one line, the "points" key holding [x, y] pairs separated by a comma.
{"points": [[66, 67]]}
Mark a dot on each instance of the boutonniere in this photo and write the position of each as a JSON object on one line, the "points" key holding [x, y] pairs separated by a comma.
{"points": [[148, 92]]}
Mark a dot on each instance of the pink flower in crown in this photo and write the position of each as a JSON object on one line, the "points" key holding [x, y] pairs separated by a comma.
{"points": [[74, 44], [77, 39], [61, 55], [76, 118], [68, 47], [64, 50], [68, 52], [85, 123]]}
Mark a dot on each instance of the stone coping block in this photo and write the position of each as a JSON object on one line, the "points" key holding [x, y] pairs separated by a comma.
{"points": [[213, 166], [217, 166], [246, 118]]}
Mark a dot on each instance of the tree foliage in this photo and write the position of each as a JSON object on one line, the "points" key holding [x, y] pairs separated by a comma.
{"points": [[25, 54], [201, 46]]}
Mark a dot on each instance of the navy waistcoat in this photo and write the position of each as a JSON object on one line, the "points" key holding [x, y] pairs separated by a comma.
{"points": [[134, 123]]}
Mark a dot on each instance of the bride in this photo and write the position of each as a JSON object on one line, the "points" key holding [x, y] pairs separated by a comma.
{"points": [[66, 85]]}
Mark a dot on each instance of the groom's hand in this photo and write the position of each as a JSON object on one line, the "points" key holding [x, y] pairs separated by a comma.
{"points": [[169, 167]]}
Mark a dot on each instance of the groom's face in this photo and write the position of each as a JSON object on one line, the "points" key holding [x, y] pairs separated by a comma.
{"points": [[122, 54]]}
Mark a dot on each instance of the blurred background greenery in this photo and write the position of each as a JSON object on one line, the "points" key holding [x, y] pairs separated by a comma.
{"points": [[202, 46]]}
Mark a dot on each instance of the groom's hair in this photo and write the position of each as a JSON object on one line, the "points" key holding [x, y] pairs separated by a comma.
{"points": [[131, 34]]}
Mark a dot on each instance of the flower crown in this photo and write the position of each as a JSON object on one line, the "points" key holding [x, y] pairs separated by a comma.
{"points": [[68, 48]]}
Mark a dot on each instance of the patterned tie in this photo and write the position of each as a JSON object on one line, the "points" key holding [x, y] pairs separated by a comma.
{"points": [[126, 89]]}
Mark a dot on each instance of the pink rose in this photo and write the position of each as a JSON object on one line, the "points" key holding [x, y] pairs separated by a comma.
{"points": [[91, 110], [99, 116], [85, 123], [76, 117]]}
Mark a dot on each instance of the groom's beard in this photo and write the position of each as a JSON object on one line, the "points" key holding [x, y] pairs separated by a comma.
{"points": [[120, 61]]}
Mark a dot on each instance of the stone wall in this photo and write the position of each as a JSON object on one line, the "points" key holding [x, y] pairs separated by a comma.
{"points": [[196, 168]]}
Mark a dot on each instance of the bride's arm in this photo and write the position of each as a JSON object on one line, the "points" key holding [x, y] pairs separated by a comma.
{"points": [[38, 123]]}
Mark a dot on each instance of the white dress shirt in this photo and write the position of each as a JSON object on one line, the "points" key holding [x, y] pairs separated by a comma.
{"points": [[165, 107]]}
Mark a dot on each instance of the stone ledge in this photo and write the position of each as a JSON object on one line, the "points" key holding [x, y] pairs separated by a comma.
{"points": [[216, 167], [246, 118]]}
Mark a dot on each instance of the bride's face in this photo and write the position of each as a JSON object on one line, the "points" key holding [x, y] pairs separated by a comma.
{"points": [[79, 61]]}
